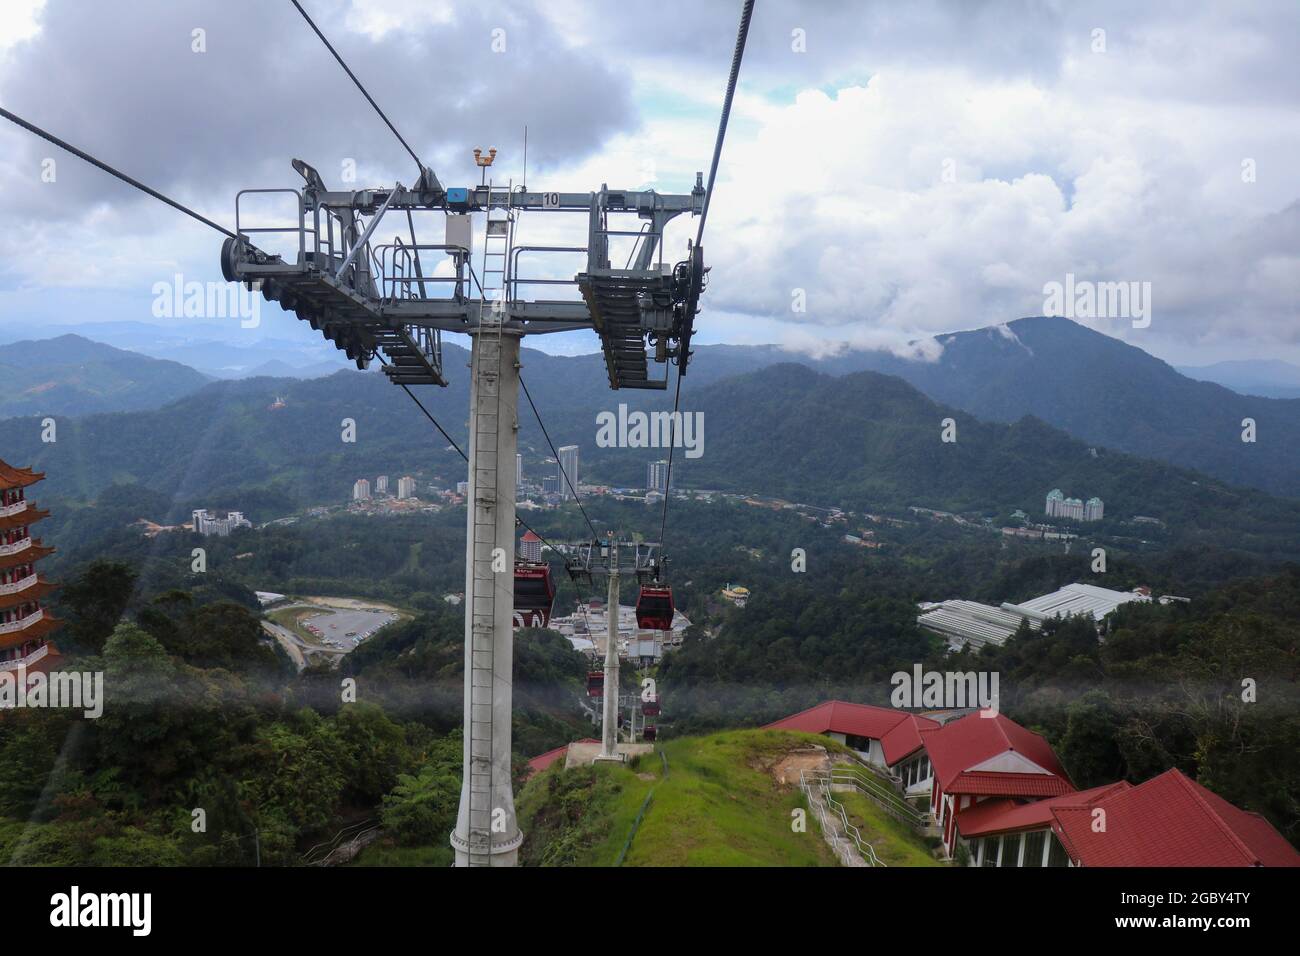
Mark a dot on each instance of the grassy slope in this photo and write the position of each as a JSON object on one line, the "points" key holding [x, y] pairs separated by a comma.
{"points": [[718, 806], [895, 843]]}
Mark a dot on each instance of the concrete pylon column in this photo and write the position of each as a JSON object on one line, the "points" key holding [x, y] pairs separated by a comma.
{"points": [[487, 833], [609, 713]]}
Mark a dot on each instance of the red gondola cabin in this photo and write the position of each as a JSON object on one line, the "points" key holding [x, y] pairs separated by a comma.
{"points": [[654, 608], [534, 594], [595, 683]]}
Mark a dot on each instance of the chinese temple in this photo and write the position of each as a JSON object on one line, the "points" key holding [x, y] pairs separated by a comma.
{"points": [[25, 624]]}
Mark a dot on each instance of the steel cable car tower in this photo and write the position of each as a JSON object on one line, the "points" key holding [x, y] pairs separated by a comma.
{"points": [[377, 301]]}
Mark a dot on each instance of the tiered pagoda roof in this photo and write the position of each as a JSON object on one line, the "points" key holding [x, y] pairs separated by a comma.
{"points": [[11, 477], [35, 631], [34, 552], [29, 515]]}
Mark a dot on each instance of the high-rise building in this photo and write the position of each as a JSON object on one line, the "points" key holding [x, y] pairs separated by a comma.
{"points": [[530, 547], [1054, 499], [25, 625], [381, 485], [406, 487], [568, 467], [205, 523], [361, 490], [656, 476], [1059, 506], [462, 487], [519, 470]]}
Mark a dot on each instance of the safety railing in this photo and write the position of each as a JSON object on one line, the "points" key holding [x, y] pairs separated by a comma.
{"points": [[816, 787], [398, 278], [641, 236], [21, 584], [22, 622], [15, 663], [321, 851], [880, 793], [866, 849], [513, 281], [12, 509], [301, 229]]}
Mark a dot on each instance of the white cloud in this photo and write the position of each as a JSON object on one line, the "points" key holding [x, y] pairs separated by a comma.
{"points": [[921, 168]]}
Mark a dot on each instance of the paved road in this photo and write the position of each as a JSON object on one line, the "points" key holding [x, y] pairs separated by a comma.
{"points": [[288, 640]]}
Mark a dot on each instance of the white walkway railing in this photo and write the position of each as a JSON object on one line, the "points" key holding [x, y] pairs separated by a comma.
{"points": [[30, 659], [844, 838]]}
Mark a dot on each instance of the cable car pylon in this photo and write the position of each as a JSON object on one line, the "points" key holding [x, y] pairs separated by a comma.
{"points": [[611, 558], [377, 299]]}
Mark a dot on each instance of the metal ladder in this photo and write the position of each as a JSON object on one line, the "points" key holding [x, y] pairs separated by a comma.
{"points": [[487, 473], [497, 236]]}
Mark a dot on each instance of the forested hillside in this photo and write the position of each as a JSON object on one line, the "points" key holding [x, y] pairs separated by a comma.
{"points": [[71, 375], [862, 440]]}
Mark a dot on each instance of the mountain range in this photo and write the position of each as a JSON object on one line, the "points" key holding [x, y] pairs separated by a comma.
{"points": [[218, 350], [862, 440], [71, 375], [1112, 394], [1095, 388], [1270, 378]]}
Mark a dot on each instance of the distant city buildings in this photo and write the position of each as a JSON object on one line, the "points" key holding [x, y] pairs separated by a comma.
{"points": [[381, 485], [519, 471], [205, 523], [656, 477], [568, 466], [1059, 506], [462, 487], [361, 490], [405, 487]]}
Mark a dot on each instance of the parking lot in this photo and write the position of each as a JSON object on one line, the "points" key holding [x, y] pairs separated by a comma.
{"points": [[346, 628]]}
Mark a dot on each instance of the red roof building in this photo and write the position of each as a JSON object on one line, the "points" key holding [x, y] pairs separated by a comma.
{"points": [[1170, 820], [1000, 790], [25, 624], [885, 736], [977, 757]]}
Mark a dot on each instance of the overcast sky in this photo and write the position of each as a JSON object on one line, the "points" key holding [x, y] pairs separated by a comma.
{"points": [[899, 169]]}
